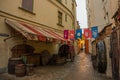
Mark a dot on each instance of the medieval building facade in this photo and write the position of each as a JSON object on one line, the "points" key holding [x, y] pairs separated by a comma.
{"points": [[100, 13], [35, 24]]}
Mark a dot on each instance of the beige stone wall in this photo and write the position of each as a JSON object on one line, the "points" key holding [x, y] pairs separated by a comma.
{"points": [[90, 12], [114, 6], [45, 14], [40, 46], [95, 13], [100, 12], [109, 67], [3, 46]]}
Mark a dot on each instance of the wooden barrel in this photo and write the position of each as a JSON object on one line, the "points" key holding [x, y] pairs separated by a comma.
{"points": [[11, 64], [45, 57], [29, 69], [20, 70], [61, 60]]}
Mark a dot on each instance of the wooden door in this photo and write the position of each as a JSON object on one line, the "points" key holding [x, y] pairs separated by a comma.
{"points": [[115, 55]]}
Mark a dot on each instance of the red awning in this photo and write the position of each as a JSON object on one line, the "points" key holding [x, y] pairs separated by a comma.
{"points": [[56, 35], [33, 32]]}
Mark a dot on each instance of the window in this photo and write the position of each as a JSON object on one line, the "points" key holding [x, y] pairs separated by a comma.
{"points": [[65, 1], [59, 18], [27, 5], [107, 13], [66, 17], [59, 1]]}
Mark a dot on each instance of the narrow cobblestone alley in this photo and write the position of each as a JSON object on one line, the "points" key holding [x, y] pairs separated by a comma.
{"points": [[81, 69]]}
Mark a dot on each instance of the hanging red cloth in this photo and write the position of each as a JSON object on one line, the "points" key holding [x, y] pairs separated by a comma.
{"points": [[65, 34], [71, 34], [87, 33]]}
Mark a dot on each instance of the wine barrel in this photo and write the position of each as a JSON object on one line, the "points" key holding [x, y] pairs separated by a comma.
{"points": [[29, 69], [11, 64], [45, 57], [61, 60], [20, 70]]}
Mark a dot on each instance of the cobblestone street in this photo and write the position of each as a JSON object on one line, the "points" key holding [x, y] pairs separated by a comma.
{"points": [[81, 69]]}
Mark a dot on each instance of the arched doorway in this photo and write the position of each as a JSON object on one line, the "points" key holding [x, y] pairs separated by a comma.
{"points": [[63, 50], [101, 57], [19, 50]]}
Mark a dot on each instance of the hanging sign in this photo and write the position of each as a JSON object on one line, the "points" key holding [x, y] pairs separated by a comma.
{"points": [[71, 34], [90, 33], [94, 32], [65, 34], [78, 33], [87, 33]]}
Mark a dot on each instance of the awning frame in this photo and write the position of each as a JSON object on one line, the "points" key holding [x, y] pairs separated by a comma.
{"points": [[33, 32]]}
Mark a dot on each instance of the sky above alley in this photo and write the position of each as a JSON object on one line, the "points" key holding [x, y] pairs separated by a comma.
{"points": [[81, 13]]}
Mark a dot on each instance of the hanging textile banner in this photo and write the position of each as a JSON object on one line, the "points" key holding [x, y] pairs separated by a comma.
{"points": [[65, 34], [94, 32], [71, 34], [78, 33], [90, 33], [87, 33]]}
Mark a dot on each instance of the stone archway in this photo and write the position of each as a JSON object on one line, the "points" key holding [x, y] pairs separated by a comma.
{"points": [[19, 50], [101, 57]]}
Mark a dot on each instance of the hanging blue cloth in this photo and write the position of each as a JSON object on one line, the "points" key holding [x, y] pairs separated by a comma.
{"points": [[94, 31], [78, 33]]}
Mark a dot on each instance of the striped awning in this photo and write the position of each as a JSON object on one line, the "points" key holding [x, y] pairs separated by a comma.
{"points": [[33, 32]]}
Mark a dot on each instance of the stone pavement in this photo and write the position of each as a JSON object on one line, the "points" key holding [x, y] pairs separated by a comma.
{"points": [[80, 69], [83, 70]]}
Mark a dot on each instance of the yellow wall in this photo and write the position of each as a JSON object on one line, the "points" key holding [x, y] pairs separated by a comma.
{"points": [[3, 46], [40, 46], [45, 14]]}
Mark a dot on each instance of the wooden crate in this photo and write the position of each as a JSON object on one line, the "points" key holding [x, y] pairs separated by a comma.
{"points": [[61, 60]]}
